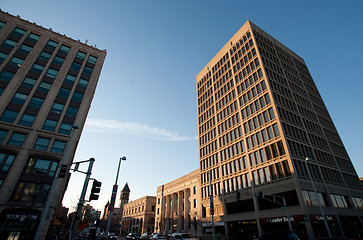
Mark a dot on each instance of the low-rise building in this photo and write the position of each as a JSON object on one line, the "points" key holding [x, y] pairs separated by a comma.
{"points": [[177, 205], [139, 216]]}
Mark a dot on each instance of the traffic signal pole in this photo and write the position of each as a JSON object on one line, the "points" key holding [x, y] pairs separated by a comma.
{"points": [[81, 199]]}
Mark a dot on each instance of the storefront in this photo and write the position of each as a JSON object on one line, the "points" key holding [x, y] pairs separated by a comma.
{"points": [[218, 228], [19, 223]]}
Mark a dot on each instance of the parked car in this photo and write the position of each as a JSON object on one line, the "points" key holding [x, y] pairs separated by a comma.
{"points": [[157, 236], [111, 236], [279, 235], [145, 236], [133, 236], [182, 236]]}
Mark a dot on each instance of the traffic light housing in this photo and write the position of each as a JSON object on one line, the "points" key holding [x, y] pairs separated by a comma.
{"points": [[96, 188], [63, 171]]}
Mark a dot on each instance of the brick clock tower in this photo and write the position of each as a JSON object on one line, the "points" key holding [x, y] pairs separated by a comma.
{"points": [[124, 198]]}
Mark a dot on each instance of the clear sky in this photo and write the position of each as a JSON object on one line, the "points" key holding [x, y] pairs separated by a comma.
{"points": [[145, 104]]}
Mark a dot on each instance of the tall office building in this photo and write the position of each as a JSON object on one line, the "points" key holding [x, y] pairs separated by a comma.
{"points": [[47, 82], [260, 116]]}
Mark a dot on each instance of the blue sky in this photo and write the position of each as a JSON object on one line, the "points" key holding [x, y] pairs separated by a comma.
{"points": [[145, 104]]}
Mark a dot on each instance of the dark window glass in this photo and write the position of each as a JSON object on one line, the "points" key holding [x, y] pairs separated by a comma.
{"points": [[6, 76], [17, 139], [2, 134], [87, 70], [42, 143], [76, 66], [64, 92], [3, 56], [19, 32], [81, 55], [57, 108], [72, 112], [65, 128], [44, 87], [9, 43], [37, 68], [27, 120], [44, 56], [16, 62], [83, 83], [92, 59], [50, 125], [25, 49], [9, 116], [77, 96], [64, 49], [58, 60], [70, 79], [29, 82], [33, 37], [6, 160], [36, 102], [51, 73], [19, 98], [31, 192], [52, 44], [58, 146], [2, 24]]}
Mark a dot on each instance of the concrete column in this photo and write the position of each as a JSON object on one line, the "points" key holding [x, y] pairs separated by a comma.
{"points": [[167, 214], [186, 210], [180, 208]]}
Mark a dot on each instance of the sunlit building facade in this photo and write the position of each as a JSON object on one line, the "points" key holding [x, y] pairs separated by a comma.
{"points": [[260, 116], [47, 83]]}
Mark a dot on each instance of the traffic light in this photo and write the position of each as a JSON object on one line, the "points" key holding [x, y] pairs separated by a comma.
{"points": [[238, 195], [96, 188], [259, 195], [63, 171]]}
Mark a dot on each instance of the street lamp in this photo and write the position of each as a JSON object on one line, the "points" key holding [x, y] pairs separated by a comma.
{"points": [[113, 195], [42, 227], [316, 194]]}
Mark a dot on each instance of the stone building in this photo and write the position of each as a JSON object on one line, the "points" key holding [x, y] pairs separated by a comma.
{"points": [[268, 146], [47, 83], [139, 216], [178, 207]]}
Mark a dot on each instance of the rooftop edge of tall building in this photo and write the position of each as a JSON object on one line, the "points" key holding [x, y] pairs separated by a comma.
{"points": [[51, 30], [236, 37]]}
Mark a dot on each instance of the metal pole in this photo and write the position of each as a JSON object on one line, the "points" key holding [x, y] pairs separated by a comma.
{"points": [[113, 196], [81, 199], [316, 194], [211, 206], [53, 187], [287, 214]]}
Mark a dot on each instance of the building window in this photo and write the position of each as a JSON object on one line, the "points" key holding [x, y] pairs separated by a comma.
{"points": [[19, 32], [17, 139], [2, 135], [42, 143], [58, 146], [50, 125], [41, 166], [83, 83], [65, 128], [81, 55], [75, 66], [70, 79], [194, 190], [3, 56], [16, 62], [51, 73], [27, 120], [64, 49], [87, 70], [77, 96], [58, 60], [44, 87], [9, 43], [92, 59], [338, 201], [72, 112], [36, 102], [6, 76], [52, 44], [33, 37], [19, 98], [194, 203], [25, 49], [29, 82], [64, 93], [9, 116], [36, 68], [311, 199], [45, 56], [31, 192], [6, 160], [57, 108]]}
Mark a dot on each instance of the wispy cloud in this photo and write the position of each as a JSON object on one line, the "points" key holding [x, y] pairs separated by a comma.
{"points": [[136, 129]]}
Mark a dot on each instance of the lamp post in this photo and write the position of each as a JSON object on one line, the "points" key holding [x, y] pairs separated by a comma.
{"points": [[316, 194], [41, 227], [113, 195], [211, 204]]}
